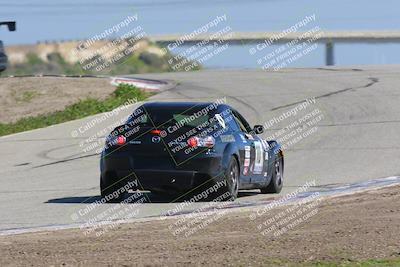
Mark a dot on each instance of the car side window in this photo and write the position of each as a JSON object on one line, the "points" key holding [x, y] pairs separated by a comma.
{"points": [[240, 122], [244, 126], [230, 120]]}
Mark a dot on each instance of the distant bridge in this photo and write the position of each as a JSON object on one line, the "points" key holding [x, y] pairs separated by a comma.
{"points": [[327, 38]]}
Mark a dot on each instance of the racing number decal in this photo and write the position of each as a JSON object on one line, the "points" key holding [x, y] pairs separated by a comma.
{"points": [[220, 120], [259, 158]]}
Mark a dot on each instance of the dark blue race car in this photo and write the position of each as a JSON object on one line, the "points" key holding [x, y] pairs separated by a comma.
{"points": [[180, 147], [3, 56]]}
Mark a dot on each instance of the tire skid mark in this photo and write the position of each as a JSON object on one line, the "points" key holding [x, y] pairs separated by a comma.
{"points": [[347, 124], [332, 69], [215, 93], [64, 160], [372, 82]]}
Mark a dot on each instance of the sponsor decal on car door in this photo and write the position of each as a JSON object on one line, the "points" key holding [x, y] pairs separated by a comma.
{"points": [[246, 164], [259, 158]]}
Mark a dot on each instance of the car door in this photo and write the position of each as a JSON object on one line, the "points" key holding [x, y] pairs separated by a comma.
{"points": [[259, 171], [258, 157], [248, 146]]}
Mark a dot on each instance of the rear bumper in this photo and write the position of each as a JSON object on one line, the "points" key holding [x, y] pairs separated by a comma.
{"points": [[162, 180], [161, 174]]}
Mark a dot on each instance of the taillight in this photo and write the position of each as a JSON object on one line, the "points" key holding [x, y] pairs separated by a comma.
{"points": [[121, 140], [156, 132], [192, 141], [114, 141], [207, 141]]}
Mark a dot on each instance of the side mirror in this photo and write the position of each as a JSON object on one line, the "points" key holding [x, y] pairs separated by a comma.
{"points": [[258, 129], [11, 26]]}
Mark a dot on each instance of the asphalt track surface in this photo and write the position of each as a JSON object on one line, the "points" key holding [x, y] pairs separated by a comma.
{"points": [[45, 175]]}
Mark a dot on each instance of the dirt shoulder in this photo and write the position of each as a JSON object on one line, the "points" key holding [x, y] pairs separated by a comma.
{"points": [[346, 229], [21, 97]]}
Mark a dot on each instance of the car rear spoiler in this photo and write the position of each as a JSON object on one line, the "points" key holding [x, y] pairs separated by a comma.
{"points": [[10, 24]]}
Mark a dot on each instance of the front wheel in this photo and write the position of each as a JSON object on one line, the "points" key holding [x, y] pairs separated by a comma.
{"points": [[276, 184]]}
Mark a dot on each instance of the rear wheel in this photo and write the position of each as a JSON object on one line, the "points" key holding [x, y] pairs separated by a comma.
{"points": [[110, 192], [232, 179], [276, 184]]}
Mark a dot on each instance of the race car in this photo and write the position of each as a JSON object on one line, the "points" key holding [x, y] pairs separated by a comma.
{"points": [[3, 56], [179, 147]]}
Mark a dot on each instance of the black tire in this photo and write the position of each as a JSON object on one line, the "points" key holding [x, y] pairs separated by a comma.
{"points": [[107, 190], [232, 179], [276, 183]]}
